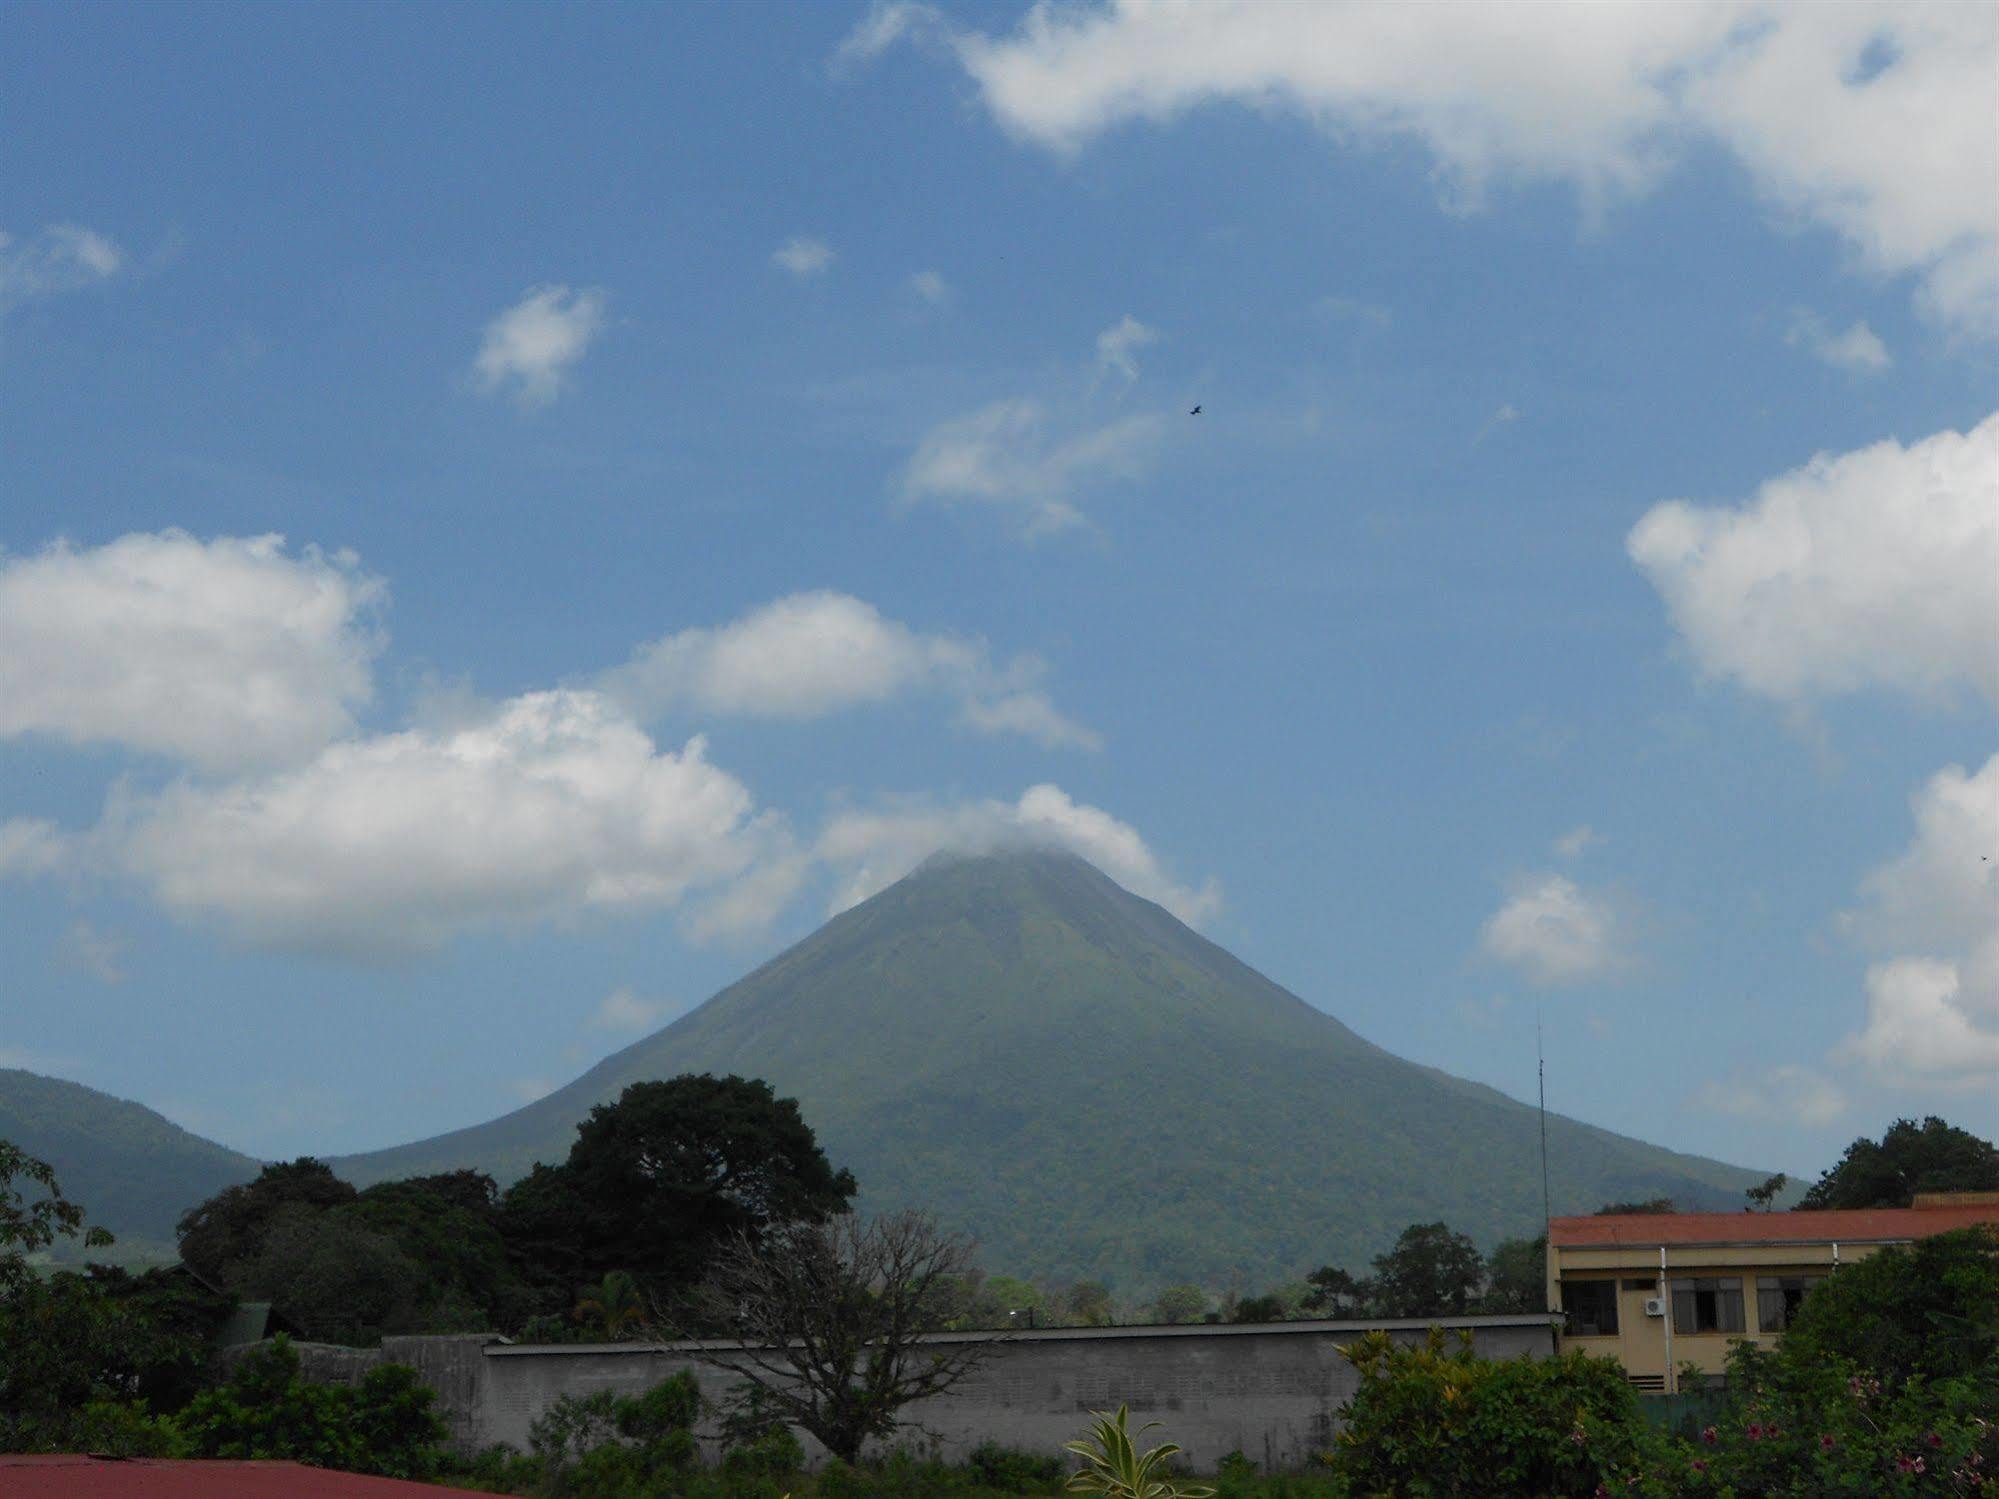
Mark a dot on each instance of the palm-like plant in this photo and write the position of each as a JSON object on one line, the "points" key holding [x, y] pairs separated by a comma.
{"points": [[1113, 1465], [614, 1305]]}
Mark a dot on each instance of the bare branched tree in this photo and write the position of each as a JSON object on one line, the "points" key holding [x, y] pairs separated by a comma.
{"points": [[829, 1320]]}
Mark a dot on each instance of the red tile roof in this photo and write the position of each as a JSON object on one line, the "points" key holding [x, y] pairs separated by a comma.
{"points": [[78, 1477], [1874, 1226]]}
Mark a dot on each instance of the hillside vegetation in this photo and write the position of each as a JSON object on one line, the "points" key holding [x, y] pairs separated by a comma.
{"points": [[136, 1171], [1096, 1091]]}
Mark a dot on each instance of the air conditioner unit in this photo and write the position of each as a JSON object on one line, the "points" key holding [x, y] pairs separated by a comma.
{"points": [[1655, 1306]]}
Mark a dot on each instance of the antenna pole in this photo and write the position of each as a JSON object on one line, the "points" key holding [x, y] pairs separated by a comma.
{"points": [[1541, 1071]]}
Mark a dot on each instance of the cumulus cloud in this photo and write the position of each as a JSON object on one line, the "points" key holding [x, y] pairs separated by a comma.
{"points": [[1862, 569], [529, 350], [1859, 349], [1933, 1009], [223, 653], [1010, 455], [623, 1010], [552, 804], [62, 258], [1872, 119], [1785, 1094], [870, 850], [1118, 345], [882, 27], [1577, 841], [811, 654], [32, 846], [931, 287], [1555, 933], [802, 256]]}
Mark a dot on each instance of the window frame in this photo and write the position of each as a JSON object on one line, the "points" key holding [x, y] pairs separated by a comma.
{"points": [[1604, 1292]]}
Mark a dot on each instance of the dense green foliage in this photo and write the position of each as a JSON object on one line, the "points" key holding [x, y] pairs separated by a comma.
{"points": [[1908, 1158], [136, 1170], [657, 1181], [342, 1266], [915, 1031], [1433, 1418], [383, 1425]]}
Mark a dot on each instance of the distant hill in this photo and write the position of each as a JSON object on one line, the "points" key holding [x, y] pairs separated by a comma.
{"points": [[133, 1172], [1095, 1090]]}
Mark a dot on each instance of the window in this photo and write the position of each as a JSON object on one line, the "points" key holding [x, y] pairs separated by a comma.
{"points": [[1711, 1303], [1778, 1298], [1591, 1307]]}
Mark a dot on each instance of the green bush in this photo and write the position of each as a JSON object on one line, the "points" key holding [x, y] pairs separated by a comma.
{"points": [[1433, 1418], [1014, 1472], [385, 1425]]}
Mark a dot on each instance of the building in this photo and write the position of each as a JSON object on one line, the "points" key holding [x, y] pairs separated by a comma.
{"points": [[1660, 1290]]}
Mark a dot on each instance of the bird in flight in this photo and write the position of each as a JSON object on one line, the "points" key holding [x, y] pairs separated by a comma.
{"points": [[1195, 412]]}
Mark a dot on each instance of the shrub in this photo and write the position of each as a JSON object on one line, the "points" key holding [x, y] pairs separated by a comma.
{"points": [[1433, 1418], [384, 1425], [1012, 1471]]}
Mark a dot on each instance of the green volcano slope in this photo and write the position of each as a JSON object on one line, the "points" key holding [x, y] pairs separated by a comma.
{"points": [[1095, 1090], [132, 1171]]}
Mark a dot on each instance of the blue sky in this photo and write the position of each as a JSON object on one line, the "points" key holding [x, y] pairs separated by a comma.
{"points": [[508, 516]]}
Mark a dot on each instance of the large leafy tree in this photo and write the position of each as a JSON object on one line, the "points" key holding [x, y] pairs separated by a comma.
{"points": [[1516, 1276], [1908, 1158], [656, 1182], [1431, 1271], [229, 1229]]}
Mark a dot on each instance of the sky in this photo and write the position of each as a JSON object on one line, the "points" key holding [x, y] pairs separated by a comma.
{"points": [[510, 516]]}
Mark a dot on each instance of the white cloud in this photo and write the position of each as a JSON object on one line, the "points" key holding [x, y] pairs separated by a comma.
{"points": [[811, 654], [88, 949], [1859, 349], [1933, 1011], [870, 850], [622, 1010], [1862, 569], [1555, 933], [32, 846], [1354, 309], [1118, 345], [1921, 1023], [931, 287], [1008, 455], [1577, 841], [1898, 160], [1504, 415], [530, 348], [1787, 1094], [802, 256], [224, 653], [882, 27], [553, 804], [62, 258]]}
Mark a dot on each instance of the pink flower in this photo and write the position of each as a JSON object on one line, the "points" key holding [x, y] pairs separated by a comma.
{"points": [[1602, 1492], [1826, 1443], [1755, 1431], [1919, 1465], [1903, 1465], [1579, 1437], [1708, 1435], [1700, 1465], [1935, 1440]]}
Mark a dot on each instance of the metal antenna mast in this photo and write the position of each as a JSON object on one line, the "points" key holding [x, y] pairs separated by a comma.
{"points": [[1541, 1071]]}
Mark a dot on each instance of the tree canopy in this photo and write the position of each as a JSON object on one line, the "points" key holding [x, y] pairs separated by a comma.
{"points": [[1431, 1271], [656, 1182], [1908, 1158]]}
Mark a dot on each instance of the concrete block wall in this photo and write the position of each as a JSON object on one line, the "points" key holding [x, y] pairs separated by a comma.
{"points": [[1272, 1391]]}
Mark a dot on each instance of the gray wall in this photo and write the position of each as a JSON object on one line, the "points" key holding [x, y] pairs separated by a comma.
{"points": [[1271, 1390]]}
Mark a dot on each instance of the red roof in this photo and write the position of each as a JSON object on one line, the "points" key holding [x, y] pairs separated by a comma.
{"points": [[1873, 1226], [78, 1477]]}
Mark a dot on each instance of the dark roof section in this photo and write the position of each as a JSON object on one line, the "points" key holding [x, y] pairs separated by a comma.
{"points": [[74, 1476]]}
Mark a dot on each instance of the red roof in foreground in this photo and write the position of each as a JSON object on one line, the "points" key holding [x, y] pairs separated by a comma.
{"points": [[1876, 1225], [78, 1477]]}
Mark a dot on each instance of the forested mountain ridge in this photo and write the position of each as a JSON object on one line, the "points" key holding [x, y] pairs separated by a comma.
{"points": [[134, 1171], [1095, 1090]]}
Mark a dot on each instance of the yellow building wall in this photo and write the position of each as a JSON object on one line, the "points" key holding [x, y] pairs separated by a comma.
{"points": [[1640, 1342]]}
